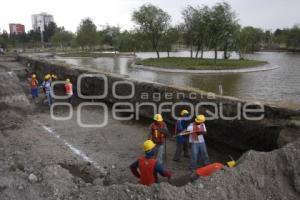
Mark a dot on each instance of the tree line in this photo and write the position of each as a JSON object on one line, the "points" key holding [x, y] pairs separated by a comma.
{"points": [[203, 28]]}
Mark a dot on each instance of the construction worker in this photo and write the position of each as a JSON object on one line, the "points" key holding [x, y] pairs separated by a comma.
{"points": [[196, 139], [146, 167], [158, 132], [53, 77], [34, 86], [69, 90], [182, 141], [47, 88]]}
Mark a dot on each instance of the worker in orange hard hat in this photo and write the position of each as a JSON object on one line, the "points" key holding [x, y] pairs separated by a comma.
{"points": [[146, 167], [197, 129], [158, 132]]}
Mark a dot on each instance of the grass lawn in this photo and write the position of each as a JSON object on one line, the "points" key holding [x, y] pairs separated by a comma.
{"points": [[194, 63]]}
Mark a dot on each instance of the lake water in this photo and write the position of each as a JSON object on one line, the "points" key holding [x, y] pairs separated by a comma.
{"points": [[281, 86]]}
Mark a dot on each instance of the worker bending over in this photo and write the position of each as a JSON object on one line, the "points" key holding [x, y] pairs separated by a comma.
{"points": [[146, 167]]}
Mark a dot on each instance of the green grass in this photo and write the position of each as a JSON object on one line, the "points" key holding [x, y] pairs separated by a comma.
{"points": [[199, 64]]}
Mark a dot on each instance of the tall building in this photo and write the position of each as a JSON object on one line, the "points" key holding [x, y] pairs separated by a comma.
{"points": [[39, 21], [16, 29]]}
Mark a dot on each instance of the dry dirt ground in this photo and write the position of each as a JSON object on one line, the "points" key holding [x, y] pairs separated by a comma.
{"points": [[42, 158]]}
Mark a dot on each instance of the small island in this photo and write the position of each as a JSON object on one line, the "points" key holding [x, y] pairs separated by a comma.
{"points": [[199, 64]]}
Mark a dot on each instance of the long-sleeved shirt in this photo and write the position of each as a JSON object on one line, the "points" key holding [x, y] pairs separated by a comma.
{"points": [[181, 125]]}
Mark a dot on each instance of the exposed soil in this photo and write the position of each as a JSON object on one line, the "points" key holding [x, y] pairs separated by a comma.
{"points": [[41, 158]]}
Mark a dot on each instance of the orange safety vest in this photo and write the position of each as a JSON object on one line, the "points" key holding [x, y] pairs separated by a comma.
{"points": [[209, 169], [34, 83], [157, 136], [146, 167], [69, 89], [197, 131]]}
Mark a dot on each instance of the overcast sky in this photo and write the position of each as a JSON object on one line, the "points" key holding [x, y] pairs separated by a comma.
{"points": [[266, 14]]}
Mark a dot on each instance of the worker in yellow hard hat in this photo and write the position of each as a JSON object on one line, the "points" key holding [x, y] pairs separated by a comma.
{"points": [[47, 88], [182, 141], [69, 90], [146, 167], [34, 86], [158, 132], [196, 138], [53, 77]]}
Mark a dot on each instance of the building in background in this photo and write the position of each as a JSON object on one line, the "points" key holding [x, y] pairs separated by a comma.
{"points": [[16, 29], [39, 21]]}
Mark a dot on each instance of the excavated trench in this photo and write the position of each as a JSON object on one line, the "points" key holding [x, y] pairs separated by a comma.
{"points": [[226, 138]]}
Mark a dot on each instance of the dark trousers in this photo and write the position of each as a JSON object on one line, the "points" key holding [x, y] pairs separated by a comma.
{"points": [[179, 147]]}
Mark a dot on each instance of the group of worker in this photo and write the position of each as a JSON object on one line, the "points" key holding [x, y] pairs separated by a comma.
{"points": [[188, 135], [46, 86]]}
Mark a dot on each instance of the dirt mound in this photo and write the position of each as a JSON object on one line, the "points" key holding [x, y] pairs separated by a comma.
{"points": [[11, 117]]}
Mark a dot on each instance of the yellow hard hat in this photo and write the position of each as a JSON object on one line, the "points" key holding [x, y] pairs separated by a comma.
{"points": [[48, 76], [68, 80], [183, 112], [53, 76], [158, 118], [231, 163], [148, 145], [200, 119], [33, 76]]}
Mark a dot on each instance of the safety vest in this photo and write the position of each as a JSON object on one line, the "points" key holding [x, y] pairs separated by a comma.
{"points": [[209, 169], [157, 136], [146, 168], [196, 131], [34, 83], [69, 88]]}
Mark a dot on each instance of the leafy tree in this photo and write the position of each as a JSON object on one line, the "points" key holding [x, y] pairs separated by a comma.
{"points": [[153, 22], [62, 37], [169, 38], [221, 26], [87, 33], [188, 27], [249, 39], [112, 36], [49, 31]]}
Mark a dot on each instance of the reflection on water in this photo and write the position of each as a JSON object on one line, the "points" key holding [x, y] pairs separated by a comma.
{"points": [[280, 85]]}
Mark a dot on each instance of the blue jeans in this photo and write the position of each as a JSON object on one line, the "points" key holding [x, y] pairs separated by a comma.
{"points": [[160, 151], [49, 98], [199, 148], [34, 93]]}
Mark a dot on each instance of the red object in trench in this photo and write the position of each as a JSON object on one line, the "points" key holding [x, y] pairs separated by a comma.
{"points": [[209, 169]]}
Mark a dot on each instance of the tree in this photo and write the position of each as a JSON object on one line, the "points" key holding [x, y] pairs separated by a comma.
{"points": [[153, 22], [111, 35], [169, 38], [249, 39], [49, 31], [87, 33], [221, 26], [62, 37], [188, 27]]}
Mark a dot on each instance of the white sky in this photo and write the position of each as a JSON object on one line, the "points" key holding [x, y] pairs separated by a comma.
{"points": [[266, 14]]}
